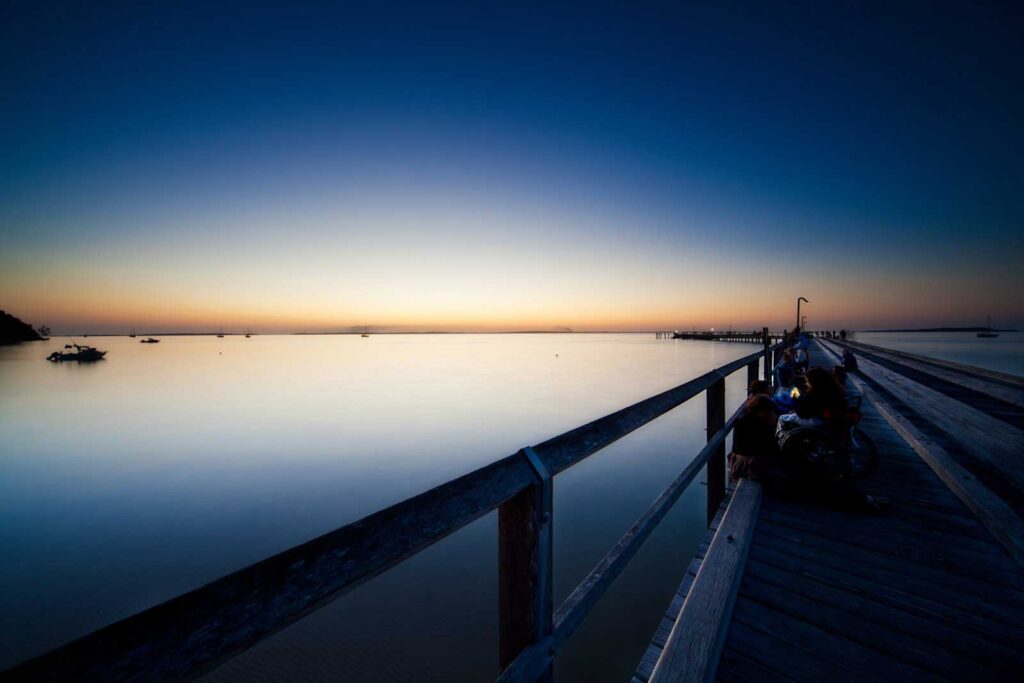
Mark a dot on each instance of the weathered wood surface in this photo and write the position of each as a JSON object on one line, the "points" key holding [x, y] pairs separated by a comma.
{"points": [[1000, 399], [935, 365], [525, 571], [923, 592], [696, 640], [1000, 519], [997, 388], [986, 438]]}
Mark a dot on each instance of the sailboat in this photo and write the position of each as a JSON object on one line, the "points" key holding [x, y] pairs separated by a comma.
{"points": [[366, 332], [248, 333], [132, 335], [220, 335], [989, 333]]}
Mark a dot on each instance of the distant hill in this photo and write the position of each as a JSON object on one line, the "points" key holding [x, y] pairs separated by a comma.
{"points": [[13, 330]]}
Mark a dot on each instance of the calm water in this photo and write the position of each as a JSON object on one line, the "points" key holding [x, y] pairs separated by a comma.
{"points": [[126, 482], [1004, 353]]}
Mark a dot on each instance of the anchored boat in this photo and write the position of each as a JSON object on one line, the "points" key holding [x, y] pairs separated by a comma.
{"points": [[990, 332], [82, 354]]}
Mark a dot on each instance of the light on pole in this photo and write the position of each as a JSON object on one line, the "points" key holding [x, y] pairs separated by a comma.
{"points": [[799, 299]]}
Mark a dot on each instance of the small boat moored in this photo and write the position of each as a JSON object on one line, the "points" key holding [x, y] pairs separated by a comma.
{"points": [[150, 340], [990, 332], [82, 354]]}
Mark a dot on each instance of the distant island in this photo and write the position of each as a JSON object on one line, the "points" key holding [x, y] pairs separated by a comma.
{"points": [[950, 329], [13, 331]]}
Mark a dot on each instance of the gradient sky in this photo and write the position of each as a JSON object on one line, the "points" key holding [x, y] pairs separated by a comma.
{"points": [[497, 166]]}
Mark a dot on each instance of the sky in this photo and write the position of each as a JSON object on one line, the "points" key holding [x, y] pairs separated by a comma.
{"points": [[501, 166]]}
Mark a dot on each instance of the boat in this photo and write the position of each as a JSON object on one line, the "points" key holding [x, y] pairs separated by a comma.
{"points": [[132, 335], [248, 333], [990, 332], [220, 335], [82, 354], [150, 340], [366, 332]]}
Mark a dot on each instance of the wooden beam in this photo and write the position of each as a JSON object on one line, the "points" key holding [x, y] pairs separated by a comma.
{"points": [[985, 437], [951, 372], [524, 568], [695, 643], [716, 461]]}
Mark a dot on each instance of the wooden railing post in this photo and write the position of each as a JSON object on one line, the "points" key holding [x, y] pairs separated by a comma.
{"points": [[767, 342], [525, 604], [716, 463], [753, 372]]}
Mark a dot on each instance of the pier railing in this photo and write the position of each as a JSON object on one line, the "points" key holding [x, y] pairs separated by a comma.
{"points": [[199, 630]]}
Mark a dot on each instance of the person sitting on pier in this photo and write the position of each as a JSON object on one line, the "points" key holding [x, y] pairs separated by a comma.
{"points": [[849, 361], [785, 371], [823, 402], [759, 387], [823, 405], [800, 358], [755, 452]]}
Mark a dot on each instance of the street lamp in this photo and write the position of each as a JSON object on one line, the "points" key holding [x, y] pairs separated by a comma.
{"points": [[799, 299]]}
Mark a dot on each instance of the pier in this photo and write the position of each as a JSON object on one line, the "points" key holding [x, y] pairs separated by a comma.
{"points": [[752, 337], [778, 590], [931, 590]]}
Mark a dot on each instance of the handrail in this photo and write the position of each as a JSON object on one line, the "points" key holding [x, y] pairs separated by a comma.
{"points": [[201, 629]]}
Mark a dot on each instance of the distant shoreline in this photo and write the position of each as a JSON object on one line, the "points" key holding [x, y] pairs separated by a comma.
{"points": [[950, 329]]}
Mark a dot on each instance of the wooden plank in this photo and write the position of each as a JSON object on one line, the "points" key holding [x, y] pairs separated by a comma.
{"points": [[998, 517], [936, 551], [878, 636], [775, 654], [945, 634], [938, 606], [822, 645], [987, 438], [1013, 396], [736, 666], [997, 595], [960, 368], [892, 575], [653, 652], [698, 636]]}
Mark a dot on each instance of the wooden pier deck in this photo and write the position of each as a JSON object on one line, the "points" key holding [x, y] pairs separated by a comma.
{"points": [[923, 592]]}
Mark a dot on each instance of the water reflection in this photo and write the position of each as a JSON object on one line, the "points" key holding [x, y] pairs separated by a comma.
{"points": [[126, 482]]}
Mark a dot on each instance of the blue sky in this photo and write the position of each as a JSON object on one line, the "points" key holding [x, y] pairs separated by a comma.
{"points": [[493, 166]]}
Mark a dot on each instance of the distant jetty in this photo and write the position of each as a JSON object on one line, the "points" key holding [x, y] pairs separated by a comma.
{"points": [[13, 331]]}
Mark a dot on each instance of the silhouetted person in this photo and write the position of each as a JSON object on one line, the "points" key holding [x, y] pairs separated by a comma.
{"points": [[785, 371], [759, 387], [755, 450]]}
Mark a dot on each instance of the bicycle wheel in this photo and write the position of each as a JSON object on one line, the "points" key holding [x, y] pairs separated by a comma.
{"points": [[863, 454]]}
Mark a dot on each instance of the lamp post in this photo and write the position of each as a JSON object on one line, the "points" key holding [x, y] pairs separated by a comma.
{"points": [[799, 299]]}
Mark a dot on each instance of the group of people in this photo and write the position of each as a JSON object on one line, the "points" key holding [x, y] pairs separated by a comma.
{"points": [[803, 397]]}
